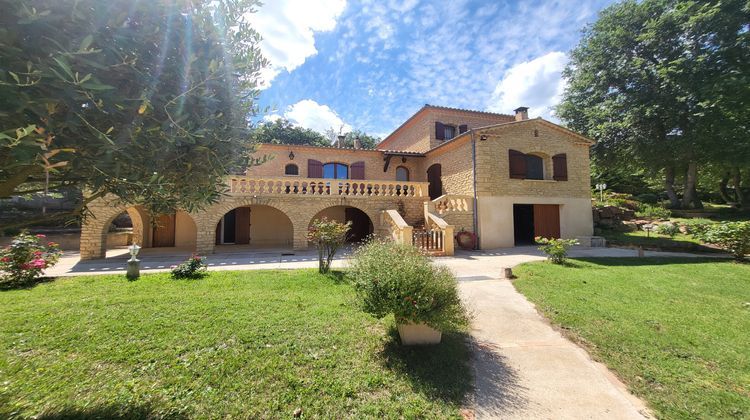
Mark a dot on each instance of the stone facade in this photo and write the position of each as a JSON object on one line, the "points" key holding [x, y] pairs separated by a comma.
{"points": [[478, 158]]}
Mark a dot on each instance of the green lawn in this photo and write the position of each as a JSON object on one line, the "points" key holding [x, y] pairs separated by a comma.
{"points": [[680, 242], [234, 344], [677, 331]]}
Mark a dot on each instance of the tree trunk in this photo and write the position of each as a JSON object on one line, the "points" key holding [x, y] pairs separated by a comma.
{"points": [[690, 196], [723, 188], [738, 193], [674, 202]]}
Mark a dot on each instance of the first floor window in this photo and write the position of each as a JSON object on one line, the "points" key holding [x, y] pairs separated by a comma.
{"points": [[291, 169], [402, 174], [335, 171], [534, 167]]}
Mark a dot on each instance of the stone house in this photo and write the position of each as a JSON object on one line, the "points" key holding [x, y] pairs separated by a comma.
{"points": [[507, 178]]}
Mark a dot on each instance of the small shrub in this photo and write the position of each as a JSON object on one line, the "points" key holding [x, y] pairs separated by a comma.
{"points": [[668, 229], [329, 236], [25, 258], [731, 236], [696, 227], [555, 249], [398, 279], [653, 212], [193, 268]]}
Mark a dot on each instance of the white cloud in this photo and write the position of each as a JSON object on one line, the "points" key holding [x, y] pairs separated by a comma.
{"points": [[288, 29], [537, 84], [310, 114]]}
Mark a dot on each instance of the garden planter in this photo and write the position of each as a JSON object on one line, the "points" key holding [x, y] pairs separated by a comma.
{"points": [[418, 334], [466, 240]]}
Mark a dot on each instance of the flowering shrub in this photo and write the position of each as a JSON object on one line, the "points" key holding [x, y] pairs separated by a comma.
{"points": [[328, 236], [556, 249], [192, 268], [25, 258], [398, 279], [731, 236]]}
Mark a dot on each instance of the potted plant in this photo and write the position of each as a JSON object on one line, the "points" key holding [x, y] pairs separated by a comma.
{"points": [[466, 239], [399, 279]]}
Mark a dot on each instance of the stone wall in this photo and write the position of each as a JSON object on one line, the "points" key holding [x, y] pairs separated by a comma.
{"points": [[373, 159], [418, 133]]}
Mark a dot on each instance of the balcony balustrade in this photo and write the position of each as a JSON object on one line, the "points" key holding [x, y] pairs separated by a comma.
{"points": [[248, 185]]}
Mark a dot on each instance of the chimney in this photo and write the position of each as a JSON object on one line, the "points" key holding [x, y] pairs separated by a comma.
{"points": [[357, 143], [522, 113], [340, 142]]}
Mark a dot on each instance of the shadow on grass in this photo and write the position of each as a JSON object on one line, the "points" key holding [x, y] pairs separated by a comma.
{"points": [[337, 276], [641, 261], [440, 372], [27, 285], [109, 412], [453, 369]]}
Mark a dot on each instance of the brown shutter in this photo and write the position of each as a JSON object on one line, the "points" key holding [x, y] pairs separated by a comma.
{"points": [[357, 170], [314, 169], [517, 164], [560, 167], [439, 130], [463, 128]]}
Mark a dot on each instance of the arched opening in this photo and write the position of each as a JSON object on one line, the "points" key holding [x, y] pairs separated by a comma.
{"points": [[120, 231], [255, 226], [291, 169], [434, 174], [362, 225], [135, 226]]}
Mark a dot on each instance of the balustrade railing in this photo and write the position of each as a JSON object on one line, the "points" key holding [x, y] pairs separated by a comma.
{"points": [[242, 185], [450, 204]]}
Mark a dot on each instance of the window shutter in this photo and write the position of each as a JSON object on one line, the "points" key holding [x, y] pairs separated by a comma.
{"points": [[314, 169], [517, 165], [357, 170], [439, 130], [560, 167], [463, 128]]}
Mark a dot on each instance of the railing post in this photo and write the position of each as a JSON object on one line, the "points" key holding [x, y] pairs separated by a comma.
{"points": [[448, 246]]}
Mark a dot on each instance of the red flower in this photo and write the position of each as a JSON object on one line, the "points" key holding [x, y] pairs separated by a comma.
{"points": [[41, 236], [5, 259]]}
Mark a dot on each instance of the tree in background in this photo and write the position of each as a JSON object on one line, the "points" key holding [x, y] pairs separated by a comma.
{"points": [[148, 100], [282, 131], [664, 85]]}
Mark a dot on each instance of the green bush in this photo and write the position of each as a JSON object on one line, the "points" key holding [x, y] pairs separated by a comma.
{"points": [[653, 212], [731, 236], [398, 279], [555, 249], [669, 229], [328, 236], [193, 268], [696, 227], [25, 258]]}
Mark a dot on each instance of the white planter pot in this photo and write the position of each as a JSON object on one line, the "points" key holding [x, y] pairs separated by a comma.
{"points": [[418, 334]]}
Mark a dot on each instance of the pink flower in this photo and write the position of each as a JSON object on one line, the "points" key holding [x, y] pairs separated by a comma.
{"points": [[39, 263], [41, 236], [38, 253]]}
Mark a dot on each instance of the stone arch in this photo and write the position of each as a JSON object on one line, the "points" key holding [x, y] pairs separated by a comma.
{"points": [[206, 220], [372, 213], [96, 225]]}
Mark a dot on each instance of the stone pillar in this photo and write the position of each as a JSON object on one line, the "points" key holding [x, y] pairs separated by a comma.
{"points": [[299, 236], [93, 239]]}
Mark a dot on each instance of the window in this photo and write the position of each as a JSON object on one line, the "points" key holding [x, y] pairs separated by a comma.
{"points": [[291, 169], [534, 167], [450, 132], [335, 171], [402, 174]]}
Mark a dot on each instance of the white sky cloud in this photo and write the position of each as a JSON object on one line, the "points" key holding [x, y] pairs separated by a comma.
{"points": [[537, 84], [288, 29], [310, 114]]}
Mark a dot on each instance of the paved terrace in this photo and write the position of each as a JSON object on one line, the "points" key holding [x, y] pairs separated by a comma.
{"points": [[238, 257]]}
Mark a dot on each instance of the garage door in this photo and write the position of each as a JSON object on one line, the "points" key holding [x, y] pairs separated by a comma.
{"points": [[547, 220]]}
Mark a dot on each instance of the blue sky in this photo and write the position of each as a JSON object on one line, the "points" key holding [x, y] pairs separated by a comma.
{"points": [[371, 64]]}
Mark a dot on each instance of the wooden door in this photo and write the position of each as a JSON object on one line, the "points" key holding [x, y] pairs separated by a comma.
{"points": [[242, 226], [163, 233], [547, 220], [434, 174]]}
